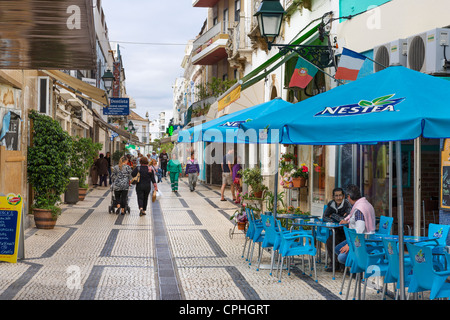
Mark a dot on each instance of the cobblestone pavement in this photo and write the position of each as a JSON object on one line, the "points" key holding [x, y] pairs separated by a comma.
{"points": [[180, 250]]}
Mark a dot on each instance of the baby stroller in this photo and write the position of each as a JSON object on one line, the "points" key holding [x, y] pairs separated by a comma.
{"points": [[113, 206]]}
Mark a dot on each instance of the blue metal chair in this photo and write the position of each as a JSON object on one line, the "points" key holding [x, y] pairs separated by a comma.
{"points": [[424, 277], [371, 263], [322, 234], [272, 237], [439, 233], [253, 226], [258, 235], [385, 225], [296, 245], [349, 264], [393, 271]]}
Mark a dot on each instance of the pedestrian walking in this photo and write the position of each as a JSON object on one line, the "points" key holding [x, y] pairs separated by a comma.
{"points": [[102, 169], [237, 177], [174, 170], [121, 176], [192, 171], [144, 186], [108, 158], [93, 172], [156, 170], [154, 156], [227, 166], [163, 161]]}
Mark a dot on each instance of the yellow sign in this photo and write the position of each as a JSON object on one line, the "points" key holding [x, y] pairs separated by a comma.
{"points": [[229, 98], [445, 175], [10, 216]]}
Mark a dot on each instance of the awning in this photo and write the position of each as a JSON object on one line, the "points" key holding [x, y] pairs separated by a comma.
{"points": [[120, 132], [170, 139], [89, 92], [47, 34], [249, 97]]}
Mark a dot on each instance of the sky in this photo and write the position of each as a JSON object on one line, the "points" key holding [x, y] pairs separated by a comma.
{"points": [[140, 26]]}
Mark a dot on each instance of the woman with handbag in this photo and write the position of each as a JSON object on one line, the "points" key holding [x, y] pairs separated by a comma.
{"points": [[143, 187]]}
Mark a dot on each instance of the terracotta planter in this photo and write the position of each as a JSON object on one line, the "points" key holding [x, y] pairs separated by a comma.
{"points": [[298, 182], [241, 225], [258, 194], [81, 193], [43, 219]]}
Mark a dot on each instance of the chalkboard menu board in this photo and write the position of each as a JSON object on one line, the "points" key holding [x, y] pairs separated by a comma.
{"points": [[10, 216], [8, 224]]}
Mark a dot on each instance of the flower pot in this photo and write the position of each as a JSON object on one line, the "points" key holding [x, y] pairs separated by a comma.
{"points": [[298, 182], [241, 225], [81, 193], [43, 219], [258, 194]]}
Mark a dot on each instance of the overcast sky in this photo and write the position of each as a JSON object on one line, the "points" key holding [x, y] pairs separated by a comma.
{"points": [[151, 70]]}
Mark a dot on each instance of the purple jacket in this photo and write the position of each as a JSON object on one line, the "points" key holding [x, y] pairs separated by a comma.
{"points": [[236, 168], [192, 166]]}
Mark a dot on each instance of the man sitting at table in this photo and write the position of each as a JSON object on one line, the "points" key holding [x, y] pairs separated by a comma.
{"points": [[361, 218], [337, 209]]}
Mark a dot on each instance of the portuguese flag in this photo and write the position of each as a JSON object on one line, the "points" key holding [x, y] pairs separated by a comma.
{"points": [[303, 74]]}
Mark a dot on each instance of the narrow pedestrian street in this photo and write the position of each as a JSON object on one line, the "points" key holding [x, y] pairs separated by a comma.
{"points": [[180, 250]]}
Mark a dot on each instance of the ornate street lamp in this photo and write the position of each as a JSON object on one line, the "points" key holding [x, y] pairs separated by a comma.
{"points": [[108, 79], [270, 16]]}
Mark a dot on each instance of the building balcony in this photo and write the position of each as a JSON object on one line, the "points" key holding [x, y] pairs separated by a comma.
{"points": [[210, 47], [204, 3]]}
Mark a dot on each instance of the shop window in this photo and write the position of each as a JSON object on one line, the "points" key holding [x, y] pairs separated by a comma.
{"points": [[318, 167], [44, 95]]}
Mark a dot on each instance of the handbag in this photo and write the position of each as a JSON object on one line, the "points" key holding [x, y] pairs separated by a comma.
{"points": [[136, 179], [154, 196]]}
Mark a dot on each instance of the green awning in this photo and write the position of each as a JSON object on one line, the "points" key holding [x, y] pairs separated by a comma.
{"points": [[253, 76]]}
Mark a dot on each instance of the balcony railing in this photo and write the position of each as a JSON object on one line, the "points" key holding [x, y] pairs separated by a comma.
{"points": [[219, 28]]}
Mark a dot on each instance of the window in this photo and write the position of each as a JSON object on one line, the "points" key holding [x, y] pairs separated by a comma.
{"points": [[43, 95], [237, 9]]}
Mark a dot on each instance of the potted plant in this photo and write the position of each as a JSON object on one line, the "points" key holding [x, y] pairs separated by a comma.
{"points": [[83, 153], [300, 176], [288, 157], [254, 179], [269, 196], [47, 168], [241, 218]]}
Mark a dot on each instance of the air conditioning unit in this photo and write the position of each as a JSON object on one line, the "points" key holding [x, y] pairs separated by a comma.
{"points": [[390, 54], [427, 51]]}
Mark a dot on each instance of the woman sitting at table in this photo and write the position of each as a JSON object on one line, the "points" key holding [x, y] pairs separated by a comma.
{"points": [[337, 209], [361, 218]]}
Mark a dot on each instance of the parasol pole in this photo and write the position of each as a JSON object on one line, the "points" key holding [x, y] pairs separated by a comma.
{"points": [[401, 249]]}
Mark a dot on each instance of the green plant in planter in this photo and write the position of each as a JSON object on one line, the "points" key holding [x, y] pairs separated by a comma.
{"points": [[83, 153], [47, 165], [253, 178], [269, 197]]}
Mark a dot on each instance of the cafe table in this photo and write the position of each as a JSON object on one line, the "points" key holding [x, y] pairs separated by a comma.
{"points": [[406, 239], [318, 223]]}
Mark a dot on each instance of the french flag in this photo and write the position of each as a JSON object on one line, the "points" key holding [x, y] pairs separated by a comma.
{"points": [[349, 65]]}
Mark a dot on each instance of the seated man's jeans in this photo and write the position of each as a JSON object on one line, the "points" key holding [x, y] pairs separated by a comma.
{"points": [[342, 257]]}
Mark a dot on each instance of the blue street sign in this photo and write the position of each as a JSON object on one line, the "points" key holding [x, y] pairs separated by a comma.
{"points": [[117, 107]]}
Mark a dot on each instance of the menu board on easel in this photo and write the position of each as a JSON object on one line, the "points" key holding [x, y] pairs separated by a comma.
{"points": [[10, 227], [445, 175]]}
